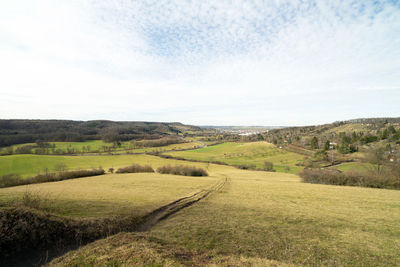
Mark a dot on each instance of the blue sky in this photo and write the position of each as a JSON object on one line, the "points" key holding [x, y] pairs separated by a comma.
{"points": [[200, 62]]}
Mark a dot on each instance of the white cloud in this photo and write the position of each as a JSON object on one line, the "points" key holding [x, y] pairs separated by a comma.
{"points": [[198, 61]]}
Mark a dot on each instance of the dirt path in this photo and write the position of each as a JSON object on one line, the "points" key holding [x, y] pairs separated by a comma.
{"points": [[38, 257], [164, 212]]}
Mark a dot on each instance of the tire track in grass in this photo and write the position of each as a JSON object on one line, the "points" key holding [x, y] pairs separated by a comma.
{"points": [[156, 216], [37, 257]]}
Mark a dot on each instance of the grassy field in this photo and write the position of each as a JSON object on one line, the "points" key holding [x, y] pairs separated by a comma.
{"points": [[108, 195], [349, 128], [354, 166], [265, 219], [29, 165], [246, 154], [258, 218], [98, 146]]}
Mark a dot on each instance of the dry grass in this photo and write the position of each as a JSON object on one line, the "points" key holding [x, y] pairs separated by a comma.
{"points": [[264, 219], [276, 217], [109, 195], [259, 218], [138, 249]]}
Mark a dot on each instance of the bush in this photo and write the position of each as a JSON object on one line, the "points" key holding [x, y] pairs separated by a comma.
{"points": [[366, 179], [268, 166], [135, 168], [31, 199], [157, 142], [27, 149], [368, 139], [8, 180], [182, 170], [14, 180]]}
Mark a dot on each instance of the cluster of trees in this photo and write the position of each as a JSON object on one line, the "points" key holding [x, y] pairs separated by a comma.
{"points": [[384, 173], [29, 131], [164, 141]]}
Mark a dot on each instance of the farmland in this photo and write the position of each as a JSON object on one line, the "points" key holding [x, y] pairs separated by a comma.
{"points": [[200, 133], [108, 195], [232, 217], [97, 147], [255, 153], [262, 218], [28, 165]]}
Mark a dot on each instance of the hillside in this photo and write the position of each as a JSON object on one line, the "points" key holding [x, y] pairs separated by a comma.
{"points": [[28, 131], [346, 136]]}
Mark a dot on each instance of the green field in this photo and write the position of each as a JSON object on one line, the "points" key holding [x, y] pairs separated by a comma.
{"points": [[264, 219], [246, 154], [354, 166], [98, 146], [29, 165], [257, 219]]}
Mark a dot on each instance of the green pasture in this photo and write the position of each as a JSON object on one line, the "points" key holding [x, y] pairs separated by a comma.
{"points": [[98, 146], [354, 166], [30, 165], [246, 154]]}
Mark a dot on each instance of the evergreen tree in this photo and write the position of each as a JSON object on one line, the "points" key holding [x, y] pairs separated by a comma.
{"points": [[314, 143]]}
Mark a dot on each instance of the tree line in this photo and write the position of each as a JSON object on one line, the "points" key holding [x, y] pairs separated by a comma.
{"points": [[31, 131]]}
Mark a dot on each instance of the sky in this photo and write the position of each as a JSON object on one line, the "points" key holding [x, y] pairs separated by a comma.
{"points": [[200, 62]]}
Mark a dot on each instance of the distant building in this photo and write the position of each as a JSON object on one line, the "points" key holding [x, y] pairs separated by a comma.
{"points": [[332, 145]]}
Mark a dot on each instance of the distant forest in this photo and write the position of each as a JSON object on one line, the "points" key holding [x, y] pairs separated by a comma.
{"points": [[28, 131]]}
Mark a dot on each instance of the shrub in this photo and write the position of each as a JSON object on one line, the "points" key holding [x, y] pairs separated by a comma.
{"points": [[60, 167], [27, 149], [53, 177], [31, 199], [8, 180], [242, 167], [321, 155], [135, 168], [368, 139], [14, 180], [157, 142], [246, 167], [366, 179], [268, 166], [182, 170]]}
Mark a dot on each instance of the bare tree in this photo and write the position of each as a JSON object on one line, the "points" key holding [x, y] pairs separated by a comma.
{"points": [[377, 157]]}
